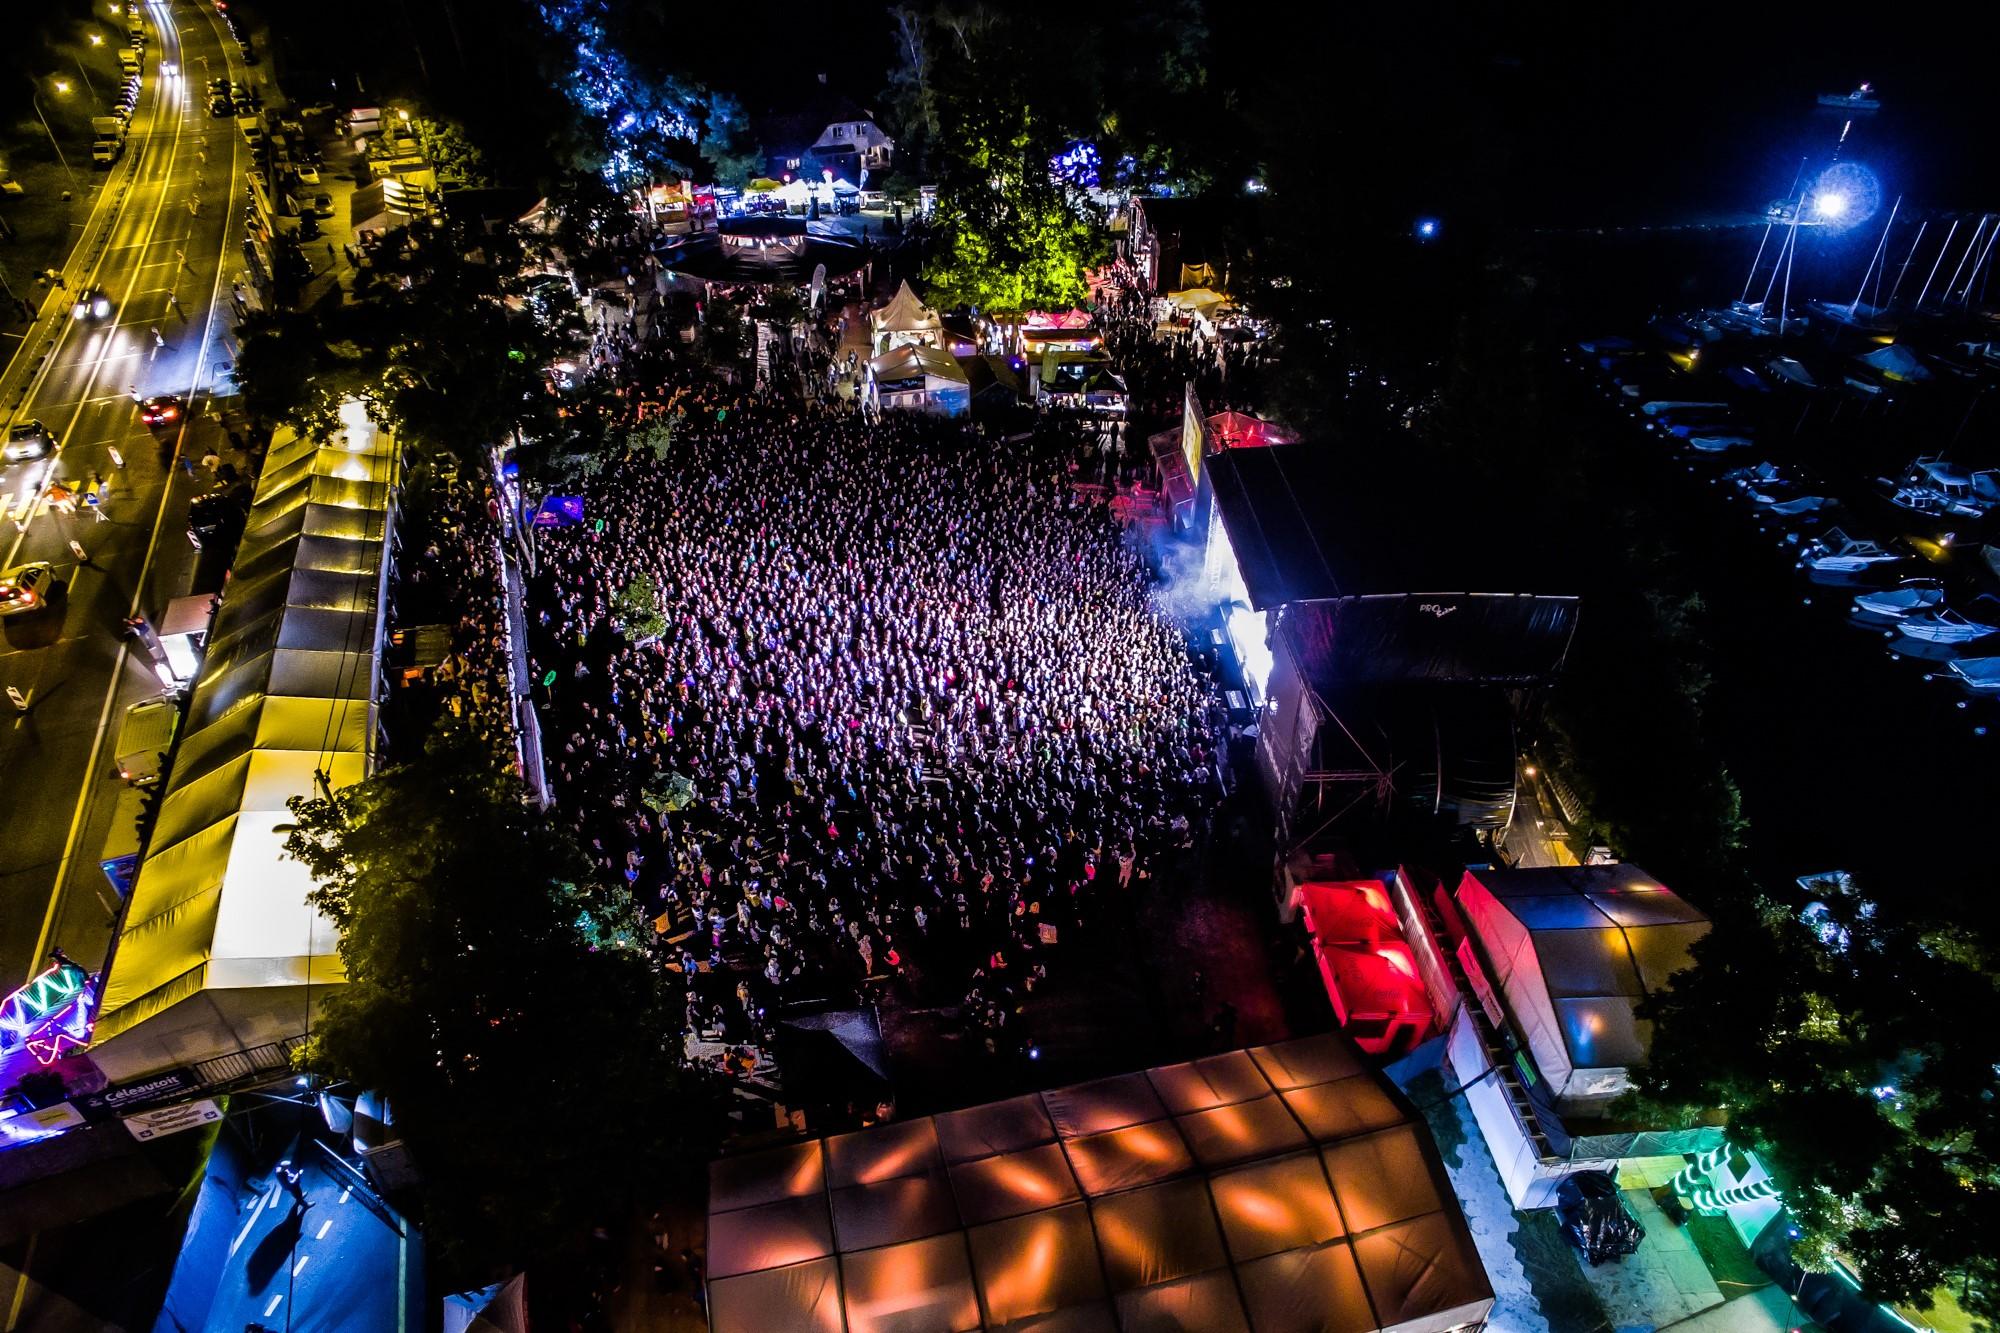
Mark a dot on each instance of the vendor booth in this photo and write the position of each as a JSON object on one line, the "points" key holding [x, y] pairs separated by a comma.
{"points": [[918, 378], [904, 322]]}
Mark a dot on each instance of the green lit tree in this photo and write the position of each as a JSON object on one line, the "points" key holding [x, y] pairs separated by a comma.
{"points": [[1842, 1052], [497, 995], [1009, 235], [637, 608]]}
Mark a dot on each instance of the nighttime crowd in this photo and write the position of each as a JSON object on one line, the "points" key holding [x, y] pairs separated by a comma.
{"points": [[912, 719]]}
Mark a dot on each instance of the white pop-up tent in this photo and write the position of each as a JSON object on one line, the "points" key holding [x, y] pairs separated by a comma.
{"points": [[219, 953], [905, 321], [1280, 1187]]}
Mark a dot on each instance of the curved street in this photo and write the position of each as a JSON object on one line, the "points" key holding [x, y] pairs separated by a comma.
{"points": [[164, 244]]}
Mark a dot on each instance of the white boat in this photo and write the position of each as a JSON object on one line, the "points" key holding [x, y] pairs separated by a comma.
{"points": [[1934, 487], [1948, 625], [1791, 371], [1805, 504], [1907, 598], [1719, 442], [1838, 553], [1766, 473], [1861, 102], [1978, 674], [1659, 405]]}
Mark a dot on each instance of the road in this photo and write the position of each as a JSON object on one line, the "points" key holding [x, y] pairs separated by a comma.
{"points": [[164, 243]]}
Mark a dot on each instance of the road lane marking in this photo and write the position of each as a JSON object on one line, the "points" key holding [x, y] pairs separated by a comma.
{"points": [[272, 1308], [90, 773], [237, 1244], [324, 1227], [344, 1193], [299, 1267]]}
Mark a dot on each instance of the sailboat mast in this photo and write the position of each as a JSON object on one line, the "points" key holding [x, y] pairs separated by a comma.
{"points": [[1935, 263], [1965, 296], [1791, 253], [1769, 223], [1970, 246], [1914, 243], [1880, 247]]}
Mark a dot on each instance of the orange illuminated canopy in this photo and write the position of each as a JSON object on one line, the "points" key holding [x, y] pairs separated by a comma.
{"points": [[1278, 1187]]}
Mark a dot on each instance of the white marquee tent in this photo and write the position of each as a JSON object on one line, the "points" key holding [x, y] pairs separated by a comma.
{"points": [[218, 952]]}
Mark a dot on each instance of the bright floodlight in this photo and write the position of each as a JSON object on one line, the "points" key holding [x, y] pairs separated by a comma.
{"points": [[1830, 204]]}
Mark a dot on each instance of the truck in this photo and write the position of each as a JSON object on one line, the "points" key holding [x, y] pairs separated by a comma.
{"points": [[252, 127], [144, 739], [109, 132]]}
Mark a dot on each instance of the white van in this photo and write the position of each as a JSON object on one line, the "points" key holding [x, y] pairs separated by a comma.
{"points": [[144, 738]]}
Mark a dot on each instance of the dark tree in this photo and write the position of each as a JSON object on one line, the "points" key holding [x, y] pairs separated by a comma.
{"points": [[501, 1001]]}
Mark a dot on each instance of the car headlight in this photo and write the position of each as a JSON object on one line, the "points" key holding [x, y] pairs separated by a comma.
{"points": [[103, 307]]}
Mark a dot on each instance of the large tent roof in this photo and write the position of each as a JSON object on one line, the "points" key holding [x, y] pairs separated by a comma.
{"points": [[286, 691], [1279, 1187], [1575, 949]]}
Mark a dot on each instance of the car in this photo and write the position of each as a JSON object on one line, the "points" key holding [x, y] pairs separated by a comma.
{"points": [[28, 439], [91, 305], [169, 70], [218, 516], [161, 410], [308, 174], [27, 588], [323, 204]]}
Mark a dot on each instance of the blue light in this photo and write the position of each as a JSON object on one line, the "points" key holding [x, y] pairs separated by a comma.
{"points": [[1846, 195], [1427, 229]]}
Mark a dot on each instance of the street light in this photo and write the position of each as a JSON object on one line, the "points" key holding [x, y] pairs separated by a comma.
{"points": [[61, 87]]}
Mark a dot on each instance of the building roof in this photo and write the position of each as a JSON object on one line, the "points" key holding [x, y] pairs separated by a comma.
{"points": [[1576, 948], [1273, 1188], [218, 944]]}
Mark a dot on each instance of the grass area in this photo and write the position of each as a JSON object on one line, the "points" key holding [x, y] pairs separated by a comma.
{"points": [[1736, 1273], [40, 227]]}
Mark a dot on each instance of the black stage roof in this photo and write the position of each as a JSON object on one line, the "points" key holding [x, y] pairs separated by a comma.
{"points": [[1317, 520]]}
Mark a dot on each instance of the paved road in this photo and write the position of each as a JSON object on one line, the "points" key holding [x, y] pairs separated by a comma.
{"points": [[334, 1265], [163, 242]]}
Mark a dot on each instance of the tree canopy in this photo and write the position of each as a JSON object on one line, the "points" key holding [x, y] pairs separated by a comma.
{"points": [[499, 998], [1851, 1055]]}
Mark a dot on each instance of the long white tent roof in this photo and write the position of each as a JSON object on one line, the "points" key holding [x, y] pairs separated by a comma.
{"points": [[218, 949]]}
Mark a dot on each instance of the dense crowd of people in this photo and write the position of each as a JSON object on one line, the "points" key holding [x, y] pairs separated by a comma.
{"points": [[844, 699], [453, 580]]}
